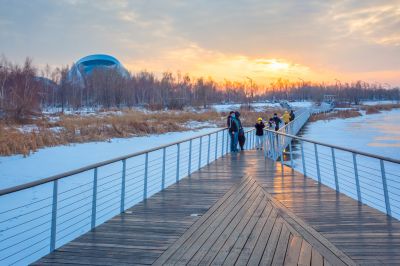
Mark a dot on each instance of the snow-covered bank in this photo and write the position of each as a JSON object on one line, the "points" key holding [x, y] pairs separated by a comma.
{"points": [[16, 170], [260, 106], [371, 103], [374, 133]]}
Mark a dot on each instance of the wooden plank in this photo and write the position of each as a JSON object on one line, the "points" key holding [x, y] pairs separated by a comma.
{"points": [[241, 246], [326, 262], [311, 235], [281, 248], [293, 251], [254, 236], [270, 249], [207, 240], [198, 238], [262, 241], [225, 245], [305, 254], [316, 258], [204, 222]]}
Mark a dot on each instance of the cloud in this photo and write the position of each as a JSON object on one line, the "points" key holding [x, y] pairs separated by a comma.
{"points": [[315, 39]]}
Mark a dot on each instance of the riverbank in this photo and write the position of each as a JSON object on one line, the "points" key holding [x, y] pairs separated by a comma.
{"points": [[354, 111], [52, 129]]}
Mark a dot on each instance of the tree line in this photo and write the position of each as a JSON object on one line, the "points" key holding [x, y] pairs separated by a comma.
{"points": [[25, 90]]}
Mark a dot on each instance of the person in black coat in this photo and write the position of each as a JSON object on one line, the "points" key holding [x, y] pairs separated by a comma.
{"points": [[233, 128], [277, 121], [241, 136], [259, 133], [292, 115]]}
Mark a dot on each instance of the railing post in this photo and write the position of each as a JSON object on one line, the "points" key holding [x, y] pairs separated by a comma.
{"points": [[146, 170], [303, 159], [122, 209], [54, 217], [163, 170], [190, 158], [201, 143], [251, 140], [223, 142], [385, 189], [177, 162], [317, 162], [253, 137], [246, 143], [291, 154], [216, 146], [264, 143], [94, 199], [208, 153], [228, 137], [335, 170], [357, 179]]}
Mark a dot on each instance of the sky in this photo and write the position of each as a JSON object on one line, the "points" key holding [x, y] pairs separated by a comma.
{"points": [[263, 40]]}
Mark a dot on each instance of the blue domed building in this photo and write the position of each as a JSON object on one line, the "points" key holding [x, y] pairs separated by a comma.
{"points": [[86, 65]]}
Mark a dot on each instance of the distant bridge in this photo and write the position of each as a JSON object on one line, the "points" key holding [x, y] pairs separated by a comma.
{"points": [[192, 202]]}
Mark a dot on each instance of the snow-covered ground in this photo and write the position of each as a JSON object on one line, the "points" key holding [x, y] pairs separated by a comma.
{"points": [[16, 170], [379, 102], [259, 107], [375, 134]]}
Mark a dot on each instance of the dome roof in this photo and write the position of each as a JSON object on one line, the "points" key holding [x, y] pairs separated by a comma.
{"points": [[87, 64]]}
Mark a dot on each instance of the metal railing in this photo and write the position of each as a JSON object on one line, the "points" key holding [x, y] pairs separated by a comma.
{"points": [[292, 128], [38, 217], [368, 178]]}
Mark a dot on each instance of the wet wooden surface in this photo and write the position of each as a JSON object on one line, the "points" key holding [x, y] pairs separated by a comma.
{"points": [[245, 227], [325, 222]]}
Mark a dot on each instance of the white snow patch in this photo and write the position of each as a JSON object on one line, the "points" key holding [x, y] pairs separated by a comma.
{"points": [[371, 103], [199, 124], [28, 128]]}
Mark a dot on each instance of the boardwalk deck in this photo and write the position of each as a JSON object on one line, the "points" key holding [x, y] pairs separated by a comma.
{"points": [[310, 221]]}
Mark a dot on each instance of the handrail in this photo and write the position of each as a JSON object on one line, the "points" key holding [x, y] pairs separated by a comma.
{"points": [[337, 147], [99, 164], [290, 122]]}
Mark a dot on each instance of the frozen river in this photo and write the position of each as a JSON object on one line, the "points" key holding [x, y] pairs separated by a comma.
{"points": [[377, 134]]}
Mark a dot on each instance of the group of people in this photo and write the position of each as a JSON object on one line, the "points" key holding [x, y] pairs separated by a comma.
{"points": [[237, 133]]}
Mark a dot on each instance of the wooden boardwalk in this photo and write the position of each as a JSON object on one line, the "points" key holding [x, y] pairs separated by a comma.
{"points": [[241, 199]]}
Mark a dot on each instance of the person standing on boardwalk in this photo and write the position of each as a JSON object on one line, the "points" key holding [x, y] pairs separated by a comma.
{"points": [[292, 115], [233, 128], [286, 117], [277, 121], [259, 133], [228, 119], [241, 136]]}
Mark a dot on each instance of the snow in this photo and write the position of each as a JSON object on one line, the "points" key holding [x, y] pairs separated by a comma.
{"points": [[199, 124], [301, 104], [28, 128], [16, 170], [379, 102], [260, 106]]}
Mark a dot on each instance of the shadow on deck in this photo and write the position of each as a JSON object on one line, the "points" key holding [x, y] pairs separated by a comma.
{"points": [[241, 209]]}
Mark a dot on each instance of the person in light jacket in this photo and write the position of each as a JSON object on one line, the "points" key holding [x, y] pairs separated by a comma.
{"points": [[286, 117]]}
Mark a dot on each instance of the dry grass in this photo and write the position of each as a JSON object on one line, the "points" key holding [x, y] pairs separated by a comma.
{"points": [[79, 129], [378, 108], [333, 115]]}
